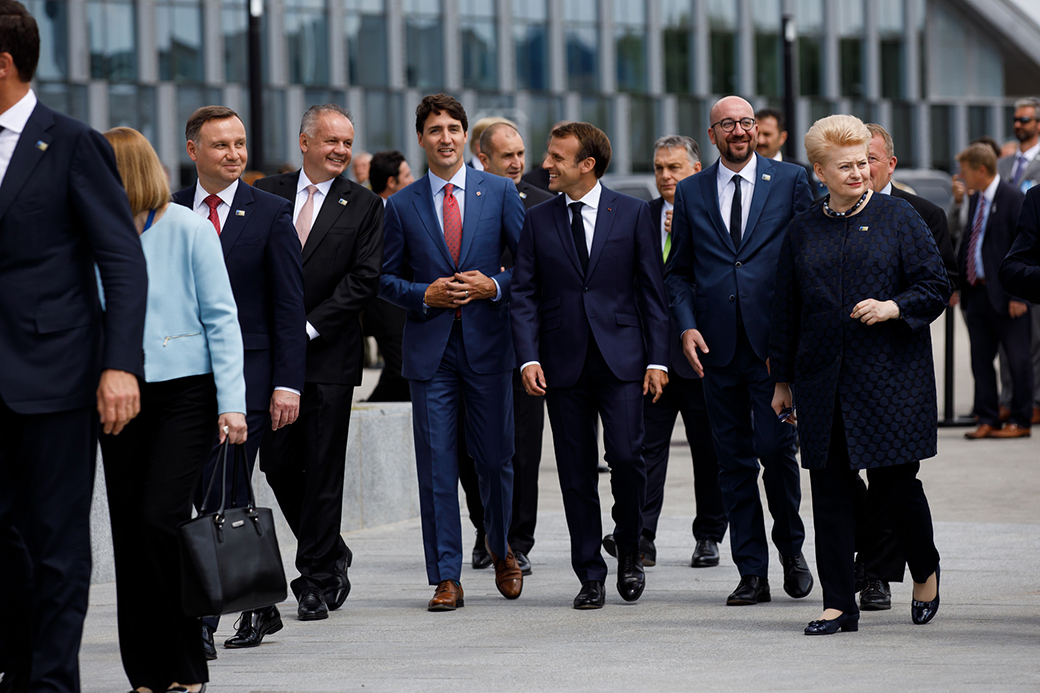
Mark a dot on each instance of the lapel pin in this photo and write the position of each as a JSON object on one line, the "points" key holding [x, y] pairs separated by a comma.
{"points": [[478, 193], [766, 176], [863, 228], [523, 196], [240, 212], [609, 209], [42, 146], [343, 202]]}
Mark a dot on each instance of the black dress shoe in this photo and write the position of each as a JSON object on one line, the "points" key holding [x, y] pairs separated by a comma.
{"points": [[798, 581], [591, 596], [876, 596], [648, 551], [705, 554], [481, 558], [630, 577], [253, 626], [751, 589], [336, 593], [609, 545], [312, 605], [208, 648], [522, 561], [923, 612], [848, 623]]}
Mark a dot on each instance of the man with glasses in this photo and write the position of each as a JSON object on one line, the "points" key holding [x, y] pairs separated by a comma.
{"points": [[727, 227]]}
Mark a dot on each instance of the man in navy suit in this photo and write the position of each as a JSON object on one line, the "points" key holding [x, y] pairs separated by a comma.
{"points": [[444, 237], [262, 254], [993, 318], [677, 157], [590, 327], [728, 224], [62, 209]]}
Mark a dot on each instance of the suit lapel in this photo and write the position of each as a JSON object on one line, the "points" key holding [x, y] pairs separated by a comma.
{"points": [[710, 196], [427, 213], [31, 148], [604, 223], [475, 194], [237, 218], [336, 202], [564, 229], [758, 199]]}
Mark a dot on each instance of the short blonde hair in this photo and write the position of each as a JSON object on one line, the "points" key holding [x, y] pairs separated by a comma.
{"points": [[979, 155], [143, 175], [833, 132]]}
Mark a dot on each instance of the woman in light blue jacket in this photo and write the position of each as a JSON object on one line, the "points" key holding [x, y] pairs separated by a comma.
{"points": [[194, 391]]}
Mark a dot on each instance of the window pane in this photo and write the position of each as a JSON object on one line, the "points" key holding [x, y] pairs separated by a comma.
{"points": [[722, 16], [52, 18], [366, 42], [893, 85], [532, 55], [235, 23], [112, 30], [677, 43], [479, 46], [546, 111], [179, 33], [978, 122], [65, 98], [851, 50], [903, 134], [306, 29], [768, 48], [424, 38], [691, 119], [582, 58], [809, 24], [383, 118], [642, 132], [941, 150], [133, 107], [630, 44]]}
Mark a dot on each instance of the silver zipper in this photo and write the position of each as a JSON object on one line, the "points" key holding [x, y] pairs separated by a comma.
{"points": [[178, 336]]}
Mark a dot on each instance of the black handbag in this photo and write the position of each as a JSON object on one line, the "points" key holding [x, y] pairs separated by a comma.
{"points": [[230, 560]]}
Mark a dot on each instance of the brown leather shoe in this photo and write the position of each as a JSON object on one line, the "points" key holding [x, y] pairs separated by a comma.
{"points": [[1011, 430], [983, 431], [508, 577], [1036, 416], [1004, 413], [447, 597]]}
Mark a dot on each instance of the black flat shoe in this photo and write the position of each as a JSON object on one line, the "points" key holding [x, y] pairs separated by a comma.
{"points": [[253, 626], [848, 623], [631, 580], [522, 562], [609, 545], [480, 558], [798, 581], [591, 596], [923, 612], [705, 554], [876, 596], [209, 649], [312, 605], [751, 589]]}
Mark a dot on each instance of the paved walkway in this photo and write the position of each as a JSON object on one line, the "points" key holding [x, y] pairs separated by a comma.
{"points": [[679, 636]]}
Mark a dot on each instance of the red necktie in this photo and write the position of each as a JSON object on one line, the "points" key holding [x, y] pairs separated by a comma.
{"points": [[452, 223], [212, 201], [973, 243]]}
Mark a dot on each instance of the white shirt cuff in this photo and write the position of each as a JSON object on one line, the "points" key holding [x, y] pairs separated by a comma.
{"points": [[311, 332], [528, 364], [289, 389], [498, 290], [655, 367]]}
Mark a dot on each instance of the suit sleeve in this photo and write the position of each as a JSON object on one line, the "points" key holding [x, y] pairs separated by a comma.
{"points": [[523, 308], [680, 282], [513, 214], [653, 296], [360, 284], [803, 195], [785, 327], [393, 286], [285, 272], [219, 316], [940, 227], [100, 201], [1020, 271], [927, 286]]}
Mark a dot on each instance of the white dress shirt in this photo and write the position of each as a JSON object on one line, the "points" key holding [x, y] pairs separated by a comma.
{"points": [[887, 190], [589, 212], [227, 196], [748, 175], [667, 207], [301, 197], [13, 122]]}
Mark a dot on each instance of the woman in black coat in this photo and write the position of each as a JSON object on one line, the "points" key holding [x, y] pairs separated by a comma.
{"points": [[858, 282]]}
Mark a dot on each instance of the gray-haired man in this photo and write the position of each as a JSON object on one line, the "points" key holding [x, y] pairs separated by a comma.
{"points": [[677, 157]]}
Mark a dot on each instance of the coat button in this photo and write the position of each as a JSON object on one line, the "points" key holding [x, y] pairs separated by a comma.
{"points": [[586, 289], [732, 297], [737, 265]]}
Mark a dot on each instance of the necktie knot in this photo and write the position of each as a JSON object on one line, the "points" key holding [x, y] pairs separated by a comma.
{"points": [[213, 201], [576, 207], [449, 189], [311, 189], [578, 232], [306, 215]]}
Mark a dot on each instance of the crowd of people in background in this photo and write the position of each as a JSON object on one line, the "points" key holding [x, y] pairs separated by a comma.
{"points": [[781, 308]]}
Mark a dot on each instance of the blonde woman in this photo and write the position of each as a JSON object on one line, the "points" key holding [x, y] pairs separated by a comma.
{"points": [[858, 282], [193, 392]]}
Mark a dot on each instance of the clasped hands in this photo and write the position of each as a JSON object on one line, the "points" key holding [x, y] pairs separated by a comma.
{"points": [[533, 377], [452, 292]]}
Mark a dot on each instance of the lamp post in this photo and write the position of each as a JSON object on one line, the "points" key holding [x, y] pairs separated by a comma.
{"points": [[256, 86], [789, 86]]}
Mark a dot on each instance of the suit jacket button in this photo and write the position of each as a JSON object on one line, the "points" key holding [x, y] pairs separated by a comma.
{"points": [[732, 297], [737, 265], [586, 289]]}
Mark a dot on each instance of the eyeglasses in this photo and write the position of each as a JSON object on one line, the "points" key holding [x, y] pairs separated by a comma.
{"points": [[728, 124], [1024, 120]]}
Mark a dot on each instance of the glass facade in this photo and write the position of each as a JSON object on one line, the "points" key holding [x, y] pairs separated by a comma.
{"points": [[150, 63]]}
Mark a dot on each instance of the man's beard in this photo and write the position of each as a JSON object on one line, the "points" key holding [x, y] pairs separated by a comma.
{"points": [[734, 158]]}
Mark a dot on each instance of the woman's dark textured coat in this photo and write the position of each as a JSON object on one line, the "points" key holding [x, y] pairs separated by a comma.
{"points": [[881, 374]]}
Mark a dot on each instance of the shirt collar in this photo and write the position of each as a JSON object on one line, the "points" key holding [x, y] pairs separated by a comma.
{"points": [[1030, 153], [991, 190], [458, 180], [779, 156], [15, 117], [227, 195], [591, 198], [668, 206], [887, 190], [748, 173], [304, 181]]}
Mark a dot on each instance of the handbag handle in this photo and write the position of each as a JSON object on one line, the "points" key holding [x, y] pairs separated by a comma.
{"points": [[221, 468]]}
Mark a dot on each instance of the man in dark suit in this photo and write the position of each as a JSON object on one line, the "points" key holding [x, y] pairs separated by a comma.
{"points": [[728, 224], [590, 326], [878, 552], [676, 158], [62, 209], [993, 318], [262, 255], [502, 154], [445, 235], [340, 229], [1020, 271]]}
